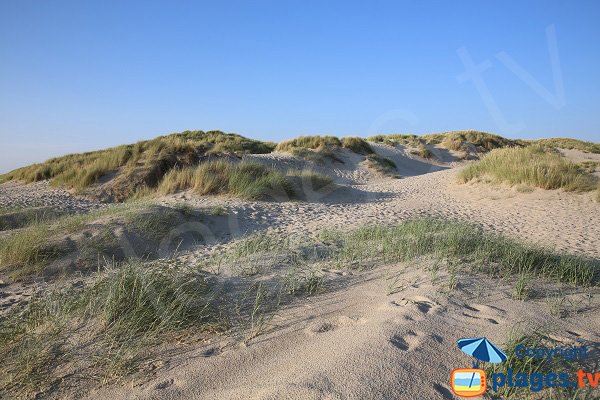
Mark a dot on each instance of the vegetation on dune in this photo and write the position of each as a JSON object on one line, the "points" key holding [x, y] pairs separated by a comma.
{"points": [[456, 140], [423, 151], [566, 143], [140, 165], [308, 142], [107, 325], [409, 140], [530, 166], [308, 179], [383, 165], [357, 145], [102, 328], [29, 251], [243, 179]]}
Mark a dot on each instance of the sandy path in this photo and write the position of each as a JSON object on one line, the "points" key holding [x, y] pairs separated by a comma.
{"points": [[563, 221]]}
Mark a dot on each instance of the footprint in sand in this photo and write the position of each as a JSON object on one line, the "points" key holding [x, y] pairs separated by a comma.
{"points": [[405, 342], [164, 384]]}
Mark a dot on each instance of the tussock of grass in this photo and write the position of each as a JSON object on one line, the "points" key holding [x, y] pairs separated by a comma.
{"points": [[423, 151], [566, 143], [357, 145], [530, 166], [308, 142], [113, 319], [383, 165], [243, 179]]}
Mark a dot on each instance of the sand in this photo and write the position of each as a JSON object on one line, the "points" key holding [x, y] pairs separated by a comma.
{"points": [[359, 342]]}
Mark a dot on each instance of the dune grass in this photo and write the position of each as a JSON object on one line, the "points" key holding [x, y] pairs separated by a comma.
{"points": [[530, 166], [441, 239], [357, 145], [309, 179], [383, 165], [149, 159], [392, 140], [26, 252], [423, 151], [102, 328], [108, 325], [456, 140], [308, 142], [243, 179], [567, 143]]}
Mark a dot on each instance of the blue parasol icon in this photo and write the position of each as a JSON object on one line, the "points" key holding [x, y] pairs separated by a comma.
{"points": [[482, 349]]}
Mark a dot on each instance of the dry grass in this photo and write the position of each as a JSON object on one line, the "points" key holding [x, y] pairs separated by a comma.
{"points": [[457, 140], [423, 151], [357, 145], [308, 142], [383, 165], [241, 179], [566, 143], [392, 140], [141, 164], [530, 166]]}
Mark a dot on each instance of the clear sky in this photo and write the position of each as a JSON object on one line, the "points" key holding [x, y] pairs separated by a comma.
{"points": [[82, 75]]}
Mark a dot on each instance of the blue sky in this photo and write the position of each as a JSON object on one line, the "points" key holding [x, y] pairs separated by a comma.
{"points": [[82, 75]]}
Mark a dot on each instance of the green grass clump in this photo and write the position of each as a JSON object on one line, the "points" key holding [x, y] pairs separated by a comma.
{"points": [[308, 142], [383, 165], [241, 179], [114, 318], [357, 145], [529, 166], [567, 143]]}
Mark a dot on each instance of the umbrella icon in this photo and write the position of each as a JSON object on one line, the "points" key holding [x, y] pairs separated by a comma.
{"points": [[482, 349]]}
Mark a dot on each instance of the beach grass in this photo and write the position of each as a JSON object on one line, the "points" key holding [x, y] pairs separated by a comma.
{"points": [[530, 166], [114, 319], [357, 145], [246, 180]]}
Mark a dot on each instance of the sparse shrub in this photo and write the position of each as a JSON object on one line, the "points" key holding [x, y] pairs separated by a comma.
{"points": [[357, 145], [530, 166]]}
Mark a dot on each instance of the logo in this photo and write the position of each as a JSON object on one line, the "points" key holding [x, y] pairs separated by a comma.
{"points": [[468, 382]]}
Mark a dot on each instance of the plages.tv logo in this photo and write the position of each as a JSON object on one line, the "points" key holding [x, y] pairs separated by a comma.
{"points": [[471, 382]]}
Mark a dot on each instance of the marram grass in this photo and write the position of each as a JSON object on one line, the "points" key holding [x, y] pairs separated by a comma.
{"points": [[530, 166]]}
